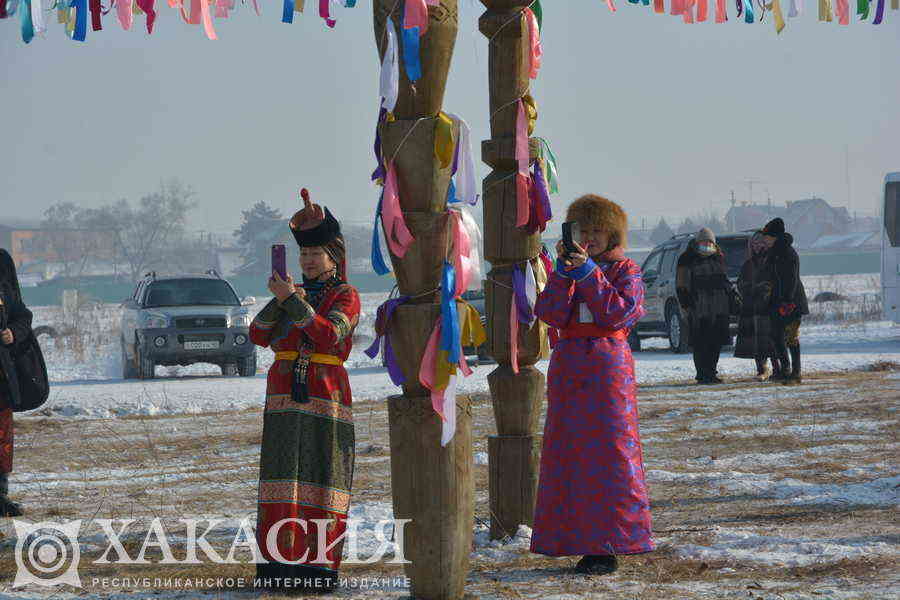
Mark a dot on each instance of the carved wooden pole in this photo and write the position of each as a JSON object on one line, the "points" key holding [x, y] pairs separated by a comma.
{"points": [[431, 485], [517, 398]]}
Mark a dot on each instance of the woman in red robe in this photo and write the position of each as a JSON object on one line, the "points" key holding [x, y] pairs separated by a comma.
{"points": [[592, 499], [307, 454]]}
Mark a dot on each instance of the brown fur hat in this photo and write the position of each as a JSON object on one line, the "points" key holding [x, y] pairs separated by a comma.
{"points": [[598, 211]]}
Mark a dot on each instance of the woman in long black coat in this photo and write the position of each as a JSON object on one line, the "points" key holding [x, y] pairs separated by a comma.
{"points": [[754, 339], [704, 292], [15, 328]]}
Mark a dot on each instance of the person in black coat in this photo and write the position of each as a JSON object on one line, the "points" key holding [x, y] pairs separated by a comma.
{"points": [[703, 290], [789, 302], [15, 328], [754, 339]]}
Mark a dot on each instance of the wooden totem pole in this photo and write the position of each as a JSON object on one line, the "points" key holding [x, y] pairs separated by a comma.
{"points": [[432, 485], [517, 396]]}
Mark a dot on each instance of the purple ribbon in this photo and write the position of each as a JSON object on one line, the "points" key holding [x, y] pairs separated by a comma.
{"points": [[380, 171], [879, 13], [522, 308], [540, 185], [385, 312]]}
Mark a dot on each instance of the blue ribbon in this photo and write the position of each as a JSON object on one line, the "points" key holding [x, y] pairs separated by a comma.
{"points": [[450, 333], [377, 257], [451, 192], [80, 32], [287, 12], [349, 3], [748, 11], [410, 38], [522, 308], [11, 6], [27, 25]]}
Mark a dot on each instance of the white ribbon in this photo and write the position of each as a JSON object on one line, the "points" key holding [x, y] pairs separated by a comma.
{"points": [[37, 17], [466, 188], [531, 291], [390, 70], [448, 425]]}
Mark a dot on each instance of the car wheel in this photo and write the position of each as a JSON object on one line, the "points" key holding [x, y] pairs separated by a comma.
{"points": [[678, 331], [146, 366], [483, 356], [634, 342], [229, 369], [129, 371], [247, 366]]}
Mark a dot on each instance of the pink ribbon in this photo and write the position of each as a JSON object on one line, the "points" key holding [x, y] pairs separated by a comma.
{"points": [[721, 12], [702, 10], [462, 250], [416, 15], [125, 13], [325, 12], [534, 35], [396, 233], [843, 10], [222, 7], [688, 13], [523, 158], [428, 367], [678, 7], [610, 5]]}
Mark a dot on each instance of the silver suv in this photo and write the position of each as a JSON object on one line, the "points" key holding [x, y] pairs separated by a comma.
{"points": [[186, 319], [664, 317]]}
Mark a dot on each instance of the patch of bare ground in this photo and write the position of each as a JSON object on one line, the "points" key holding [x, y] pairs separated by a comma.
{"points": [[836, 428]]}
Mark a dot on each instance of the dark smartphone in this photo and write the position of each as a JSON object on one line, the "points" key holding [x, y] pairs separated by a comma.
{"points": [[279, 260], [568, 236]]}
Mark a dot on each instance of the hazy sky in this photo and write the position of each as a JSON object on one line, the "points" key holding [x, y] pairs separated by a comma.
{"points": [[663, 117]]}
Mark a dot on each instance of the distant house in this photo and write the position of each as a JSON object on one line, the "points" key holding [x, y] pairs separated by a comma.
{"points": [[807, 220], [865, 240], [46, 252]]}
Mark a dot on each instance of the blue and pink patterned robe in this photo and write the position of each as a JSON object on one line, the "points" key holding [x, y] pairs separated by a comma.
{"points": [[592, 498]]}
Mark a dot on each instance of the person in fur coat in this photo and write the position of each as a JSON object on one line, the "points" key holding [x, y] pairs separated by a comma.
{"points": [[592, 496]]}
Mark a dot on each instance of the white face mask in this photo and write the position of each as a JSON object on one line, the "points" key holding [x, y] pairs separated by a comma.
{"points": [[706, 248]]}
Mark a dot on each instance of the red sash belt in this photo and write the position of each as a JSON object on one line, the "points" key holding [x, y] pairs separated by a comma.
{"points": [[578, 330]]}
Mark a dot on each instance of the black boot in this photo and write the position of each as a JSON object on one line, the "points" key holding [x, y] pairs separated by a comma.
{"points": [[794, 377], [597, 565], [8, 508]]}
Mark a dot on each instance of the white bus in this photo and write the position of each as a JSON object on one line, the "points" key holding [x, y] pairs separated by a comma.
{"points": [[890, 249]]}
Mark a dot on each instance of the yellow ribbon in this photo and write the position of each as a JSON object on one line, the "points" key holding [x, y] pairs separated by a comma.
{"points": [[825, 12], [443, 140], [895, 4], [62, 15], [531, 112], [321, 359], [298, 5], [775, 7], [472, 334], [540, 277]]}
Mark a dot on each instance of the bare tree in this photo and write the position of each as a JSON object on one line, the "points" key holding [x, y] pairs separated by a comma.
{"points": [[70, 236], [145, 233]]}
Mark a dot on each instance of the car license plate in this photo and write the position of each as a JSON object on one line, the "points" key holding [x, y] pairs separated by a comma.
{"points": [[211, 345]]}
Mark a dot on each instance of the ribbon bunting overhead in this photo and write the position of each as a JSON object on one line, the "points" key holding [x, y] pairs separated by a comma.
{"points": [[72, 14]]}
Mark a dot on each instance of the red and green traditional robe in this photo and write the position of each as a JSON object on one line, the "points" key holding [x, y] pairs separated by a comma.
{"points": [[307, 455]]}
